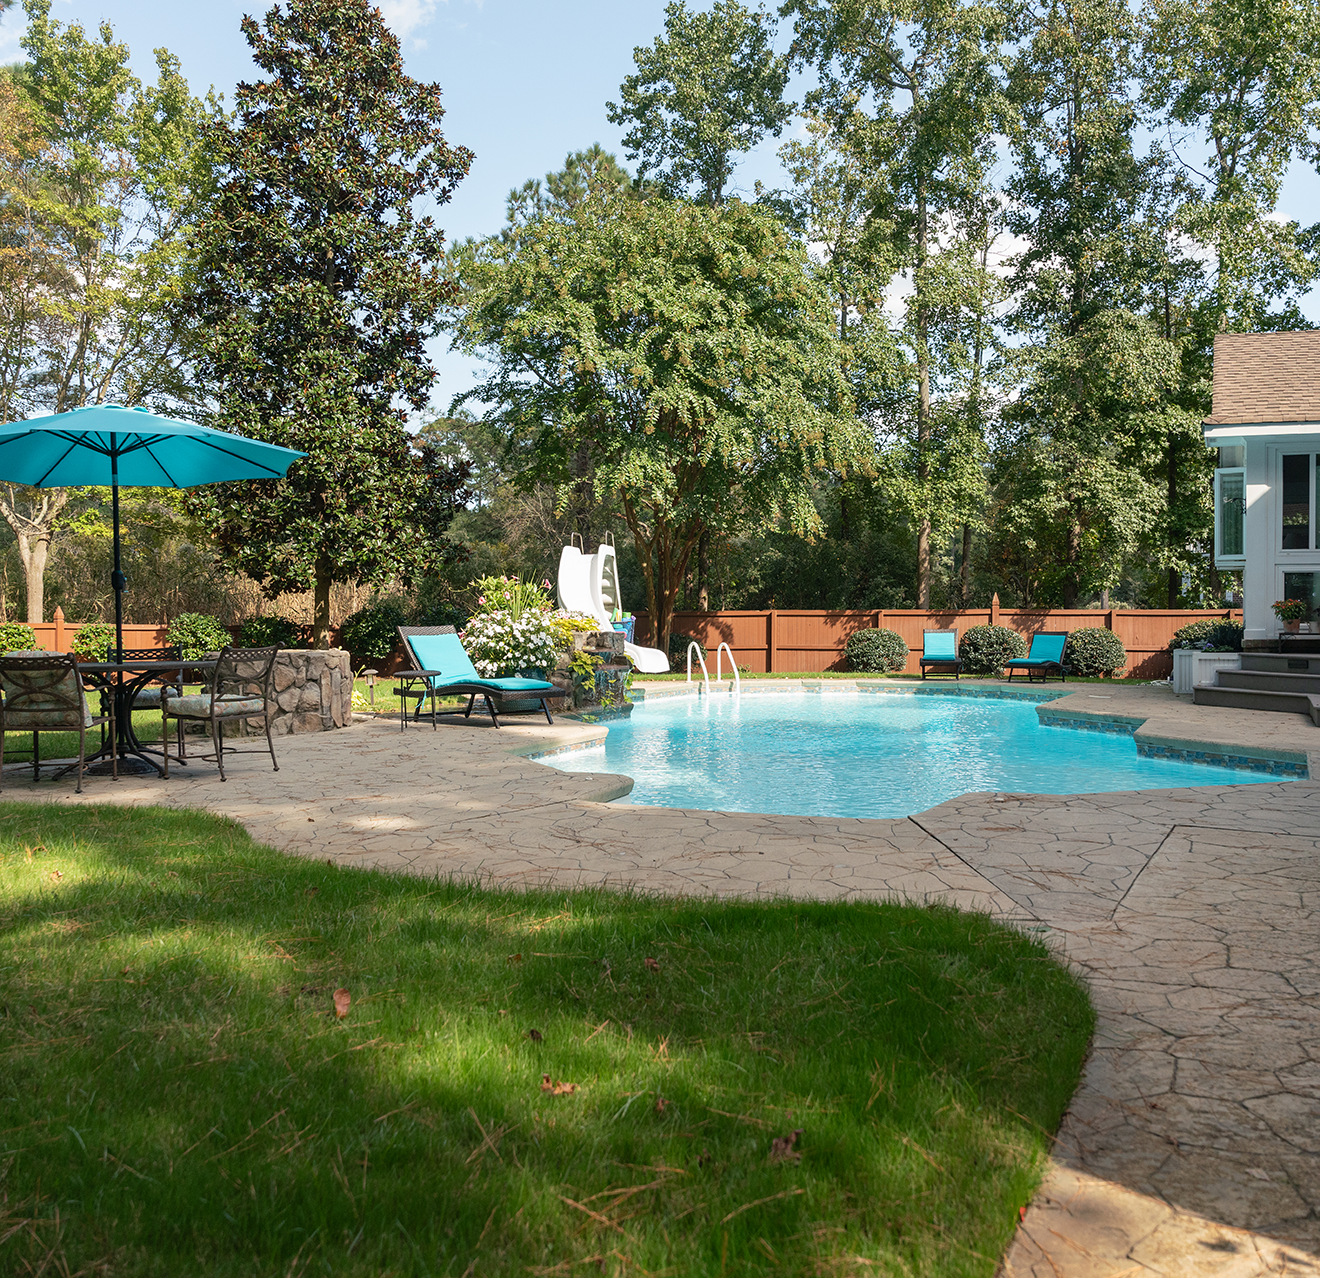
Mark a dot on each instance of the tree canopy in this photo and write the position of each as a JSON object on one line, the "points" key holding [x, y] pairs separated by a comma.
{"points": [[686, 348]]}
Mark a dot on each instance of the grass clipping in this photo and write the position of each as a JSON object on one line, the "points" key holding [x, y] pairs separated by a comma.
{"points": [[222, 1060]]}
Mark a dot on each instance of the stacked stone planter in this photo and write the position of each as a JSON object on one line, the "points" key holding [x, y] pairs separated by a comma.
{"points": [[313, 692]]}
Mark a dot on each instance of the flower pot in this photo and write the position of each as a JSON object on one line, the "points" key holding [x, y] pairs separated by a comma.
{"points": [[1292, 627]]}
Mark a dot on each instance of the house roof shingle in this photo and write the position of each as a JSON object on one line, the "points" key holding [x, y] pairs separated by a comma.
{"points": [[1266, 377]]}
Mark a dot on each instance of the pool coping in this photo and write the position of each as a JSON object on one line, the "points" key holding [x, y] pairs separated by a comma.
{"points": [[1159, 730]]}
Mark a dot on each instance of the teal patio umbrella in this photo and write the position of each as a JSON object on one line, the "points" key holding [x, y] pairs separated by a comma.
{"points": [[110, 446]]}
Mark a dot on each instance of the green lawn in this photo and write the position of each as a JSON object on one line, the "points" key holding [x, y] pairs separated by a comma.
{"points": [[178, 1096]]}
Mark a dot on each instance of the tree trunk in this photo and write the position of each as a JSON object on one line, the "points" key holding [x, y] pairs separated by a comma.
{"points": [[923, 397], [1071, 588], [33, 529], [321, 607], [703, 586], [1175, 578], [966, 566]]}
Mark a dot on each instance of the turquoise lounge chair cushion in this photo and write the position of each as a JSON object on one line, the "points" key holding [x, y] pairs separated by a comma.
{"points": [[447, 654], [940, 645], [1045, 650]]}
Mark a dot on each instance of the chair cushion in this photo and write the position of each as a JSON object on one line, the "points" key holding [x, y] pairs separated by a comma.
{"points": [[198, 705], [940, 645], [47, 720], [444, 653], [149, 698]]}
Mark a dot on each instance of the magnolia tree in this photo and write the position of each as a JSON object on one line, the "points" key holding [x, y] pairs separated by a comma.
{"points": [[319, 285]]}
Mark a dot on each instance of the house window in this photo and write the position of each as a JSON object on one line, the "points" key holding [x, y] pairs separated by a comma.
{"points": [[1298, 501], [1230, 512], [1304, 586]]}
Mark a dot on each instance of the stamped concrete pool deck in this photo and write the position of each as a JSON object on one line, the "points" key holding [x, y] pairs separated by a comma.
{"points": [[1193, 1143]]}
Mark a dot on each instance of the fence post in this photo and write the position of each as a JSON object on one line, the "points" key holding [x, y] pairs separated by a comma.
{"points": [[1109, 619], [770, 642], [994, 609], [58, 619], [880, 619]]}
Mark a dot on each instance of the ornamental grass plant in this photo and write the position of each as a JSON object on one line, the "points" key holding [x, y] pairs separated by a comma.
{"points": [[222, 1060]]}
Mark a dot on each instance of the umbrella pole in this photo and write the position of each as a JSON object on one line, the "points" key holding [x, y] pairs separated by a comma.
{"points": [[117, 579]]}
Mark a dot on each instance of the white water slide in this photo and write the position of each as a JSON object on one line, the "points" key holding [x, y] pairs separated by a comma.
{"points": [[590, 584]]}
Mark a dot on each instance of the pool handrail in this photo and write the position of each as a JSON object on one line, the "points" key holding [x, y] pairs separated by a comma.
{"points": [[733, 665], [705, 674]]}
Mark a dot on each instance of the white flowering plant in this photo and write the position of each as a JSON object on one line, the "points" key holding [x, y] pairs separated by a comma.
{"points": [[501, 643]]}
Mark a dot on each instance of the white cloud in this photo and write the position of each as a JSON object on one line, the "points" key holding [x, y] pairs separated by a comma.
{"points": [[403, 17]]}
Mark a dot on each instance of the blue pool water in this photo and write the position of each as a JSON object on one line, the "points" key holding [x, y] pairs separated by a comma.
{"points": [[865, 756]]}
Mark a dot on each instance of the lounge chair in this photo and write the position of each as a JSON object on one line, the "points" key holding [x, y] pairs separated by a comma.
{"points": [[1045, 655], [940, 648], [440, 648]]}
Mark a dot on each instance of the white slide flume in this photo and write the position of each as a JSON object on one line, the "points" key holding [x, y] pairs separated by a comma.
{"points": [[589, 584]]}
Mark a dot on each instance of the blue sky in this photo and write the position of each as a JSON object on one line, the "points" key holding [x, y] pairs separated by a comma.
{"points": [[525, 82]]}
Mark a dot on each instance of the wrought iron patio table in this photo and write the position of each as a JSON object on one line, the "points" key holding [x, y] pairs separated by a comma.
{"points": [[108, 678]]}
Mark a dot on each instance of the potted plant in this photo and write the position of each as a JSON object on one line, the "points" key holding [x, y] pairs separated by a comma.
{"points": [[1291, 612]]}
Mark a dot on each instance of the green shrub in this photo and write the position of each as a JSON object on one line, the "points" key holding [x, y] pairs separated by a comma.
{"points": [[876, 651], [371, 633], [984, 649], [16, 637], [265, 632], [195, 634], [92, 642], [1094, 651], [1213, 633]]}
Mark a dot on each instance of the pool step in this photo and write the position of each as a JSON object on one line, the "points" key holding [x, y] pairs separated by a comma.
{"points": [[1255, 697], [1268, 680]]}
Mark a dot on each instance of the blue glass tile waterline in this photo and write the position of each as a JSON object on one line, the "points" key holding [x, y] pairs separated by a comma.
{"points": [[866, 756]]}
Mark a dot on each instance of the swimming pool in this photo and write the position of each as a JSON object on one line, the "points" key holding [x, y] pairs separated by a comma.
{"points": [[860, 755]]}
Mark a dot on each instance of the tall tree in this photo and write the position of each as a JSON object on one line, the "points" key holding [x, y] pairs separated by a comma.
{"points": [[319, 287], [1236, 83], [707, 90], [98, 174], [690, 346], [912, 89]]}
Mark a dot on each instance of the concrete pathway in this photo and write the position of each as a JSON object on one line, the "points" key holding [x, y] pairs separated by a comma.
{"points": [[1193, 1144]]}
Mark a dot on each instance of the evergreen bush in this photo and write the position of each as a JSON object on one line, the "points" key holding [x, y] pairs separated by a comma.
{"points": [[371, 633], [1094, 651], [1213, 634], [984, 649], [266, 632], [92, 642], [876, 651], [16, 637], [195, 634]]}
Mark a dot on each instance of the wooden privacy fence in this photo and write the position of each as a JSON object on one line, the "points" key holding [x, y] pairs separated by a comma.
{"points": [[783, 641], [57, 635]]}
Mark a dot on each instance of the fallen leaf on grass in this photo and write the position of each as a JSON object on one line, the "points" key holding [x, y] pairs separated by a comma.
{"points": [[514, 958], [56, 875], [781, 1148], [652, 965], [311, 891], [342, 999], [536, 1036], [556, 1087], [661, 1104]]}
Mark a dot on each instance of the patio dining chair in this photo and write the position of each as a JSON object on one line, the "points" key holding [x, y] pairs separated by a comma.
{"points": [[43, 692], [242, 686]]}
